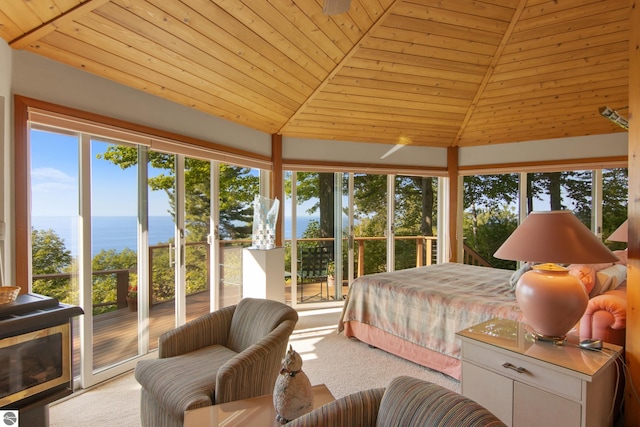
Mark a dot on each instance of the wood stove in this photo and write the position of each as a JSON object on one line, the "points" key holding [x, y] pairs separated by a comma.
{"points": [[35, 355]]}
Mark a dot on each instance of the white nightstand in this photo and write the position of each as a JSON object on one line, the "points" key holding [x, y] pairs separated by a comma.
{"points": [[530, 383]]}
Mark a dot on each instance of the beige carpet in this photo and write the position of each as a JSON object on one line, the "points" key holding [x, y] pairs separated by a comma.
{"points": [[344, 365]]}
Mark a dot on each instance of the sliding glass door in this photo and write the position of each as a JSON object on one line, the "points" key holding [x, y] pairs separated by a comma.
{"points": [[131, 235], [110, 207], [337, 229]]}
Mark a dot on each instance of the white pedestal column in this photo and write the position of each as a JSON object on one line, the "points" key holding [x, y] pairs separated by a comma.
{"points": [[263, 273]]}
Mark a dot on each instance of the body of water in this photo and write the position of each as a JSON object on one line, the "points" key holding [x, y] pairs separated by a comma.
{"points": [[108, 232], [120, 232]]}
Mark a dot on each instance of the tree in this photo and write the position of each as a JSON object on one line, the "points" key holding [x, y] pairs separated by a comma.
{"points": [[487, 194], [50, 256], [615, 201], [104, 286], [493, 228], [319, 186], [237, 190]]}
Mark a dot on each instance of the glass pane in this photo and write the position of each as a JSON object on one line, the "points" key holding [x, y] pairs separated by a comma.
{"points": [[54, 220], [490, 216], [114, 243], [338, 271], [315, 223], [161, 209], [238, 188], [197, 215], [615, 199], [288, 235], [370, 198], [415, 221], [570, 190]]}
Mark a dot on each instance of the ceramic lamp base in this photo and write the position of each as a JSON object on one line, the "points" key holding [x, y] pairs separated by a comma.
{"points": [[552, 301]]}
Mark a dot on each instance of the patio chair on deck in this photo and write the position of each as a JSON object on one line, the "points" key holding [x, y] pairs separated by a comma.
{"points": [[312, 268]]}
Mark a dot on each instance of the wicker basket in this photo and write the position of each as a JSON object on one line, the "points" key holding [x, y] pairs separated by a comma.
{"points": [[8, 294]]}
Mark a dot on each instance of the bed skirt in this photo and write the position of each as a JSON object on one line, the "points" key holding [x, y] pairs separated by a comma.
{"points": [[402, 348]]}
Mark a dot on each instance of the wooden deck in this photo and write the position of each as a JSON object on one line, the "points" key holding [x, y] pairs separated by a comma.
{"points": [[115, 334]]}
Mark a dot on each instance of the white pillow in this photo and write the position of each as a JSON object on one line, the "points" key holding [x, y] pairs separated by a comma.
{"points": [[609, 278]]}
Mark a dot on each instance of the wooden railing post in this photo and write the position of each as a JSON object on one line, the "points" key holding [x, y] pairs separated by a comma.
{"points": [[122, 288], [360, 258], [419, 254]]}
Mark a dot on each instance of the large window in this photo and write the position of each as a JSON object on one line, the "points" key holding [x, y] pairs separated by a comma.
{"points": [[339, 228], [494, 203], [121, 224]]}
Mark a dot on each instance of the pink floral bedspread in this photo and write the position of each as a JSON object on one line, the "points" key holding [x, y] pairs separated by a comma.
{"points": [[428, 305]]}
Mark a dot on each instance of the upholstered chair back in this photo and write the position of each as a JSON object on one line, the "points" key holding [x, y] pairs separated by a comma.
{"points": [[413, 402], [254, 319]]}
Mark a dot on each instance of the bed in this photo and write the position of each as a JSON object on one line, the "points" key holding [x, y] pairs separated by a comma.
{"points": [[415, 313]]}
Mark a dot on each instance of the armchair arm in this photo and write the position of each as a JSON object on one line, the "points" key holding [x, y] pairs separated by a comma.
{"points": [[253, 372], [355, 410], [212, 328], [606, 317]]}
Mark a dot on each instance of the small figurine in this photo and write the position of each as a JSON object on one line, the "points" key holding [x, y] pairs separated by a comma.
{"points": [[292, 395]]}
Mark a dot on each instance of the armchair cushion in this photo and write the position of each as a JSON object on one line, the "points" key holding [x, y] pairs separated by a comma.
{"points": [[172, 380], [209, 329]]}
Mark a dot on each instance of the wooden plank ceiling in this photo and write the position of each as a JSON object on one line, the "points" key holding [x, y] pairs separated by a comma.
{"points": [[423, 72]]}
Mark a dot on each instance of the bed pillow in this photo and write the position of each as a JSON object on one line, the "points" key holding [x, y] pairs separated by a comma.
{"points": [[587, 274], [609, 278]]}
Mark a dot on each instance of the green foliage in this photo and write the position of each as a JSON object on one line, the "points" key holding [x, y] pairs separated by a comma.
{"points": [[49, 253], [489, 217], [490, 192], [51, 257], [492, 229], [108, 266], [615, 198], [237, 190]]}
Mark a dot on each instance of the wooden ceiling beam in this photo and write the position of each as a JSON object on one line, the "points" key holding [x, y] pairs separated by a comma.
{"points": [[490, 69], [339, 65], [52, 25]]}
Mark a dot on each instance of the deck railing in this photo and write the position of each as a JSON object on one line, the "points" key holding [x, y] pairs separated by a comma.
{"points": [[425, 254]]}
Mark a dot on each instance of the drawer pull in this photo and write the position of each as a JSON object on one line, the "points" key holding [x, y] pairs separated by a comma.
{"points": [[518, 369]]}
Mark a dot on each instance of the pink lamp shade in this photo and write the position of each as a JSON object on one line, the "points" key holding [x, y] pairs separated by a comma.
{"points": [[621, 234], [551, 299], [554, 236]]}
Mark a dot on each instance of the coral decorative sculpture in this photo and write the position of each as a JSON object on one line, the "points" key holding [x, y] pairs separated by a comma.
{"points": [[292, 395]]}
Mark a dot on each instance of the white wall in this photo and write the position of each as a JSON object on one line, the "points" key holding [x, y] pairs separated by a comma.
{"points": [[581, 147], [363, 153]]}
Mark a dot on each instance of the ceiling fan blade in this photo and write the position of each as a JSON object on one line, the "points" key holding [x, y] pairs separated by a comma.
{"points": [[335, 7]]}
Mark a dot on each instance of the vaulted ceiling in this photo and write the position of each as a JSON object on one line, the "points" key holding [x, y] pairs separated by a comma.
{"points": [[423, 72]]}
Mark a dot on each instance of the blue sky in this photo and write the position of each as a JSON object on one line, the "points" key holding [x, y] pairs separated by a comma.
{"points": [[54, 181]]}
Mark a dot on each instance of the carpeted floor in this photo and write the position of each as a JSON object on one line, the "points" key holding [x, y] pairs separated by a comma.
{"points": [[343, 365]]}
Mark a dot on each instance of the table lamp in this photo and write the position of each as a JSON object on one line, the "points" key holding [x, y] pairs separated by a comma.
{"points": [[621, 234], [551, 299]]}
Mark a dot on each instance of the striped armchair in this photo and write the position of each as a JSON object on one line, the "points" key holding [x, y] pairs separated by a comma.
{"points": [[231, 354], [407, 402]]}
